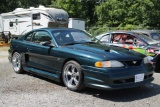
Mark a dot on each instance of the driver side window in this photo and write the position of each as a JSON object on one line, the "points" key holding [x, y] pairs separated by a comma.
{"points": [[28, 37], [41, 36], [123, 38]]}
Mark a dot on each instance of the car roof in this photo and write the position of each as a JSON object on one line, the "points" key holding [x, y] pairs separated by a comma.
{"points": [[112, 32], [145, 31], [59, 28], [54, 29]]}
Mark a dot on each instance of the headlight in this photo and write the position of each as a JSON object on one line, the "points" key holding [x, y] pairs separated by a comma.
{"points": [[109, 64], [148, 59]]}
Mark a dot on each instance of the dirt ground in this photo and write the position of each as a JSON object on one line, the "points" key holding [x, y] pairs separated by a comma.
{"points": [[3, 44], [27, 90]]}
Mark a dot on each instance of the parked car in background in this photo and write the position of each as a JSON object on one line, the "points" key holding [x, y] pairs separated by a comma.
{"points": [[78, 60], [150, 33], [134, 41]]}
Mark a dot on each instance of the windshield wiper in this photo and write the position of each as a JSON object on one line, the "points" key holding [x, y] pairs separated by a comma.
{"points": [[72, 43], [90, 42]]}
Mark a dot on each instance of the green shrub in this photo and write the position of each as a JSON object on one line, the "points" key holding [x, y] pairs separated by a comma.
{"points": [[96, 30]]}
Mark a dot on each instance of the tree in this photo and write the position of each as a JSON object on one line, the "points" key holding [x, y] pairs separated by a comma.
{"points": [[112, 13], [122, 12], [83, 9]]}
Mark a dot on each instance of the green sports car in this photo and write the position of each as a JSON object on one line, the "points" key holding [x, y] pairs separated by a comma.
{"points": [[78, 60]]}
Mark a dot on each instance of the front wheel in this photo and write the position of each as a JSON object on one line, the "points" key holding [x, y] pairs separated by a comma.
{"points": [[16, 63], [72, 76]]}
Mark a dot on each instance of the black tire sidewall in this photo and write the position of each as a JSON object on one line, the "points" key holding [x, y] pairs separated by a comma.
{"points": [[80, 85], [20, 71]]}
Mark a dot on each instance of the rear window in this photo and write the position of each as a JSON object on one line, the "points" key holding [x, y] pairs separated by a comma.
{"points": [[155, 36]]}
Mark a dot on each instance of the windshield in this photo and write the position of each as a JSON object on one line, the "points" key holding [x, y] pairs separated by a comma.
{"points": [[69, 37], [155, 36]]}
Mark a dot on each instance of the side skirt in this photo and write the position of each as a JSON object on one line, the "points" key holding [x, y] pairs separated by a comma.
{"points": [[43, 73]]}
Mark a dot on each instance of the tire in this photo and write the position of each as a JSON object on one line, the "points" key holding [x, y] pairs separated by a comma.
{"points": [[16, 63], [157, 66], [72, 76]]}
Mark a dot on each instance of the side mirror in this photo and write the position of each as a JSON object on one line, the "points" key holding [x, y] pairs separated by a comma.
{"points": [[14, 37], [135, 41], [47, 43]]}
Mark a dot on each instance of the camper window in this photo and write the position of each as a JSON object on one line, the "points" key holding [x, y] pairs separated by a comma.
{"points": [[11, 24], [36, 16]]}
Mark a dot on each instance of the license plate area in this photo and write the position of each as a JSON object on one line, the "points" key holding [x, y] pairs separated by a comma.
{"points": [[139, 77]]}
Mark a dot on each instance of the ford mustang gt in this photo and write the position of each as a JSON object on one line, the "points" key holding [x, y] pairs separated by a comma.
{"points": [[78, 60]]}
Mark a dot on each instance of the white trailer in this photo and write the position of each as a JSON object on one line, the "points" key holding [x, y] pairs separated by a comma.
{"points": [[76, 23], [1, 24], [21, 20]]}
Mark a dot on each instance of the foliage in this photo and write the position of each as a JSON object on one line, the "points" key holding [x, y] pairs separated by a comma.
{"points": [[83, 9], [96, 30], [135, 12], [100, 14]]}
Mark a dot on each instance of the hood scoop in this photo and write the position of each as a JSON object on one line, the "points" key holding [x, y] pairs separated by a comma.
{"points": [[107, 50]]}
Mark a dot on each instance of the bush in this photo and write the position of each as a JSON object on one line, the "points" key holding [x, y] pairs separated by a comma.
{"points": [[130, 27], [96, 30]]}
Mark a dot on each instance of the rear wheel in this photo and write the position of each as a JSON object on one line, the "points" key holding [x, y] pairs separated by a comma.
{"points": [[72, 76], [16, 63]]}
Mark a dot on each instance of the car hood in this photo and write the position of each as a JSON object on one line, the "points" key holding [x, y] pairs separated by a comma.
{"points": [[104, 52], [154, 42], [155, 45]]}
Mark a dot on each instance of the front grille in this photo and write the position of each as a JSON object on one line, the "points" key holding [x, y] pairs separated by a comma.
{"points": [[134, 62]]}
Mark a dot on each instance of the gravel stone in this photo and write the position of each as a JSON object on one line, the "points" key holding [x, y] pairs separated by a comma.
{"points": [[28, 90]]}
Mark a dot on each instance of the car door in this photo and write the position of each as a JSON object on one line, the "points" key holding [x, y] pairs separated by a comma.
{"points": [[38, 54]]}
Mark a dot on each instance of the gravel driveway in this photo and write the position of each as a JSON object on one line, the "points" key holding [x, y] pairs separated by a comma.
{"points": [[27, 90]]}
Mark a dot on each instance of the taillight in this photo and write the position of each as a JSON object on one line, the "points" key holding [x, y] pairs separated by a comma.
{"points": [[131, 47]]}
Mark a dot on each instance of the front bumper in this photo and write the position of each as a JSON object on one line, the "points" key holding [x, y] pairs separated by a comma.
{"points": [[156, 63], [116, 78], [120, 86]]}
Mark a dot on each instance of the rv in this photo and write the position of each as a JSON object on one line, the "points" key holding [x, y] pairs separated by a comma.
{"points": [[22, 20]]}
